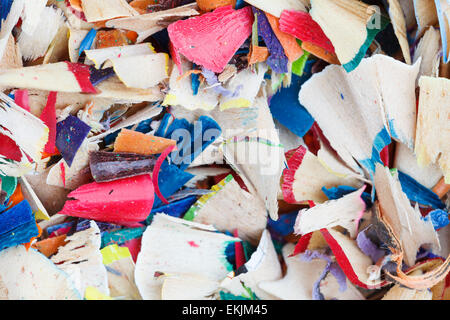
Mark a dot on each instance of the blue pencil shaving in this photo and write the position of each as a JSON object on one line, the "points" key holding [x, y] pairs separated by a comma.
{"points": [[87, 42], [70, 134], [439, 218], [17, 225]]}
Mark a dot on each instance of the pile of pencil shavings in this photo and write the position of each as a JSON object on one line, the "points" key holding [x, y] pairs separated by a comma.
{"points": [[225, 150]]}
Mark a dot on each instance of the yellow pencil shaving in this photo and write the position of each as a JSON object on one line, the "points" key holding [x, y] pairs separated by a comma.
{"points": [[170, 99], [93, 293], [113, 253], [236, 103]]}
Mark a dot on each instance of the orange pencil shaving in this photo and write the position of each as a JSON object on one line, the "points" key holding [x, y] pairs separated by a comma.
{"points": [[28, 245], [76, 4], [320, 52], [50, 246], [16, 197], [291, 48], [100, 24], [137, 142], [257, 54], [188, 73], [110, 38], [47, 155], [210, 5], [141, 5], [132, 36], [441, 188]]}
